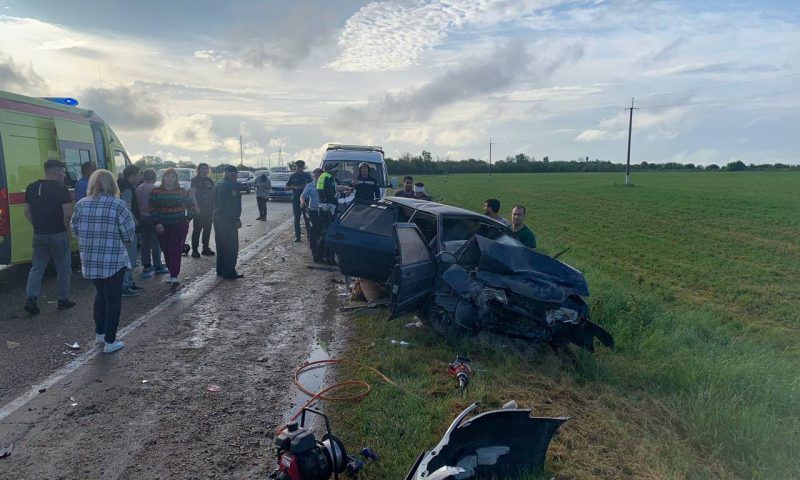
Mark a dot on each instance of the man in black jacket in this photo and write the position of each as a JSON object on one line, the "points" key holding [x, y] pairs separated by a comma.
{"points": [[227, 212], [366, 186]]}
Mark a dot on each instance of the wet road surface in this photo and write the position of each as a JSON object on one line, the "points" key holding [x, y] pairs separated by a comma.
{"points": [[147, 412]]}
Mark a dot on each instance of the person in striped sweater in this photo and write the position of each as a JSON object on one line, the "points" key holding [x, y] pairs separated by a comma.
{"points": [[171, 209]]}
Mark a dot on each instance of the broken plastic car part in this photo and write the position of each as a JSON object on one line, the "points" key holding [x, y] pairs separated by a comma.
{"points": [[495, 444]]}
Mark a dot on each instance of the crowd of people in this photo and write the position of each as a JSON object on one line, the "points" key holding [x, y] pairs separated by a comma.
{"points": [[117, 223]]}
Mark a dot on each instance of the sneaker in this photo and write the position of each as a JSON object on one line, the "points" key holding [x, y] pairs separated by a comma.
{"points": [[65, 304], [136, 288], [113, 347], [98, 338], [208, 252], [298, 239], [31, 307], [148, 273], [161, 270], [195, 253], [130, 293]]}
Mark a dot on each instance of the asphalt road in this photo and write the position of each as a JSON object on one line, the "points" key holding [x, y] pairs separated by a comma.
{"points": [[147, 411]]}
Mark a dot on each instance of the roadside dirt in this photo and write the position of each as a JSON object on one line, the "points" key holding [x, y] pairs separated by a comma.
{"points": [[146, 412]]}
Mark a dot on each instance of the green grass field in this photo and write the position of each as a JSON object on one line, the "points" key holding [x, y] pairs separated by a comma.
{"points": [[695, 274]]}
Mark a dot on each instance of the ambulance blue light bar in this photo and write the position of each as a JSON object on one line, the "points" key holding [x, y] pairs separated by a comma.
{"points": [[63, 100]]}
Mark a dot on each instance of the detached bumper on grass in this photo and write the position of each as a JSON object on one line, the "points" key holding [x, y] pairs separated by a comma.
{"points": [[494, 444]]}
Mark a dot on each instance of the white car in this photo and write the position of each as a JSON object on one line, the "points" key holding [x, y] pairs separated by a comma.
{"points": [[278, 190], [185, 176]]}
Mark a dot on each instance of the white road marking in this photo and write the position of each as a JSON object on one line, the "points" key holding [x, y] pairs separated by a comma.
{"points": [[189, 295]]}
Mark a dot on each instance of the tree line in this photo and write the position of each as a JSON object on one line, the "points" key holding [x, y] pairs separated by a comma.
{"points": [[425, 164]]}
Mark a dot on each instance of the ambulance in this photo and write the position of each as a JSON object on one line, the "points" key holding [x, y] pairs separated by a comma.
{"points": [[33, 130]]}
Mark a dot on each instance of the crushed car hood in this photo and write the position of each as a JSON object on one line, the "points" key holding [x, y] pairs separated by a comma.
{"points": [[515, 291]]}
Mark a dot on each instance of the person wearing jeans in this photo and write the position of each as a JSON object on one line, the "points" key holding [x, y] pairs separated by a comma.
{"points": [[170, 211], [200, 189], [151, 251], [263, 186], [103, 225], [48, 207], [127, 192]]}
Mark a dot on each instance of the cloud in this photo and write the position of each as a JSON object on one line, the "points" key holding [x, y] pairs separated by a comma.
{"points": [[392, 35], [669, 51], [591, 135], [250, 148], [20, 78], [303, 27], [127, 107], [192, 132], [509, 63], [711, 68]]}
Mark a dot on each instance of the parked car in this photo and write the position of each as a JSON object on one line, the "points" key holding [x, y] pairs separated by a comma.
{"points": [[245, 180], [185, 176], [279, 169], [278, 191], [258, 173], [460, 269]]}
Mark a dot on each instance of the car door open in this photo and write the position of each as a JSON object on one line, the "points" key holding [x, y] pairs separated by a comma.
{"points": [[415, 272]]}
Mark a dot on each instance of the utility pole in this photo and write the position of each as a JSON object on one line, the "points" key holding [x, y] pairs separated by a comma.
{"points": [[280, 156], [490, 157], [630, 128], [241, 152]]}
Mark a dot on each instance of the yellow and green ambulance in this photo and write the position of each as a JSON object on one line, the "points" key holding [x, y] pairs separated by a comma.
{"points": [[33, 130]]}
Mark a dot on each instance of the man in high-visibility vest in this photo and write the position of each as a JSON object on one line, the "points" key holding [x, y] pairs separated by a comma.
{"points": [[328, 199]]}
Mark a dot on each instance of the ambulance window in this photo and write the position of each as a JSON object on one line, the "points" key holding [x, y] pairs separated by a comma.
{"points": [[120, 160], [74, 158], [99, 145]]}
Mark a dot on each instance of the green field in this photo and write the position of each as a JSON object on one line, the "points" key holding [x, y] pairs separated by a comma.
{"points": [[697, 275]]}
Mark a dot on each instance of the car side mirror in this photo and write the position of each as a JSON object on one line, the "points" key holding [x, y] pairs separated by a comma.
{"points": [[393, 182], [446, 257]]}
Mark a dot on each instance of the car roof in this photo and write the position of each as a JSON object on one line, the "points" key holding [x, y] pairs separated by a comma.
{"points": [[353, 156], [437, 208]]}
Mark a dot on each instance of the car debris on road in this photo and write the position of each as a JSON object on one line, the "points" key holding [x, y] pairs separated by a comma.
{"points": [[494, 444]]}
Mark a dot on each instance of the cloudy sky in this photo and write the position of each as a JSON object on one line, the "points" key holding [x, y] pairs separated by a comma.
{"points": [[715, 81]]}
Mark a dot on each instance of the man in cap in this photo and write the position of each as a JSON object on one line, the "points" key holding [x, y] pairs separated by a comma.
{"points": [[227, 203], [296, 183], [366, 186]]}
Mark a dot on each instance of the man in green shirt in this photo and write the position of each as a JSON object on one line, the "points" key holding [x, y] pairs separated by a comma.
{"points": [[523, 233]]}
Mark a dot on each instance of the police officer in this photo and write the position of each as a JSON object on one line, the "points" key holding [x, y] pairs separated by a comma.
{"points": [[296, 183], [309, 201], [328, 199], [366, 186], [227, 210]]}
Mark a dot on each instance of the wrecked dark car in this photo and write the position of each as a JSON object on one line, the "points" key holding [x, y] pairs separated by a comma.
{"points": [[460, 268]]}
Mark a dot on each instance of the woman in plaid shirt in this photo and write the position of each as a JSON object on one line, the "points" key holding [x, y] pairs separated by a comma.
{"points": [[103, 224]]}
